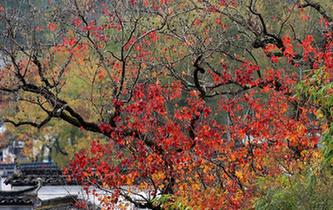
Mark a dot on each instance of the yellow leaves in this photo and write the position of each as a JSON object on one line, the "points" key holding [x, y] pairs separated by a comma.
{"points": [[297, 132], [105, 185], [239, 174], [233, 157], [319, 114], [154, 74], [316, 155], [301, 129], [283, 107], [206, 169], [324, 127], [105, 199], [196, 186], [158, 176], [130, 178], [129, 181], [304, 153], [143, 185]]}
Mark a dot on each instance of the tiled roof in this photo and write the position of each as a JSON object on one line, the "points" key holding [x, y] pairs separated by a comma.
{"points": [[25, 199], [26, 174], [29, 166], [21, 197], [36, 175], [30, 179], [17, 200]]}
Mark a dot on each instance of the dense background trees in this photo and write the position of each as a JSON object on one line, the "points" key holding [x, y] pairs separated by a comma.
{"points": [[193, 102]]}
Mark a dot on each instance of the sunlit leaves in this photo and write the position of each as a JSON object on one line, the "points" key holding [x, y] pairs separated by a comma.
{"points": [[191, 101]]}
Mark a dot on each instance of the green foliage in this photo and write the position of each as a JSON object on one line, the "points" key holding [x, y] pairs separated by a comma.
{"points": [[317, 89], [309, 191], [167, 201], [328, 140]]}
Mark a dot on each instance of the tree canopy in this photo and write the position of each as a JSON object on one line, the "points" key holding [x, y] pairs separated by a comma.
{"points": [[193, 102]]}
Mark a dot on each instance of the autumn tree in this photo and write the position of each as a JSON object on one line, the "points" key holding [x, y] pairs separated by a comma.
{"points": [[190, 101]]}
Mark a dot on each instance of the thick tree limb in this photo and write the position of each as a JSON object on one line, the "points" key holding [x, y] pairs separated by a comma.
{"points": [[198, 69]]}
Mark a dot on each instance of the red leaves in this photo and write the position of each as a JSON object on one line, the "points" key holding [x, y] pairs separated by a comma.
{"points": [[2, 9], [288, 51], [81, 204], [105, 128], [77, 22], [156, 100], [197, 22], [153, 36], [212, 9], [307, 47], [90, 27], [275, 59], [146, 3], [52, 27], [69, 42], [175, 90], [167, 147], [96, 148], [270, 48], [245, 75], [169, 132], [101, 74], [183, 114]]}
